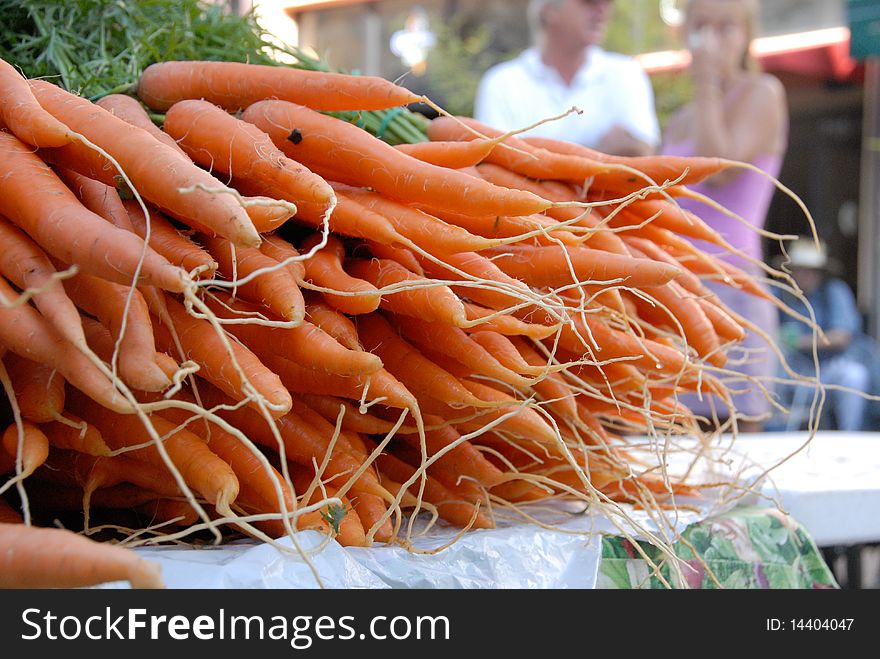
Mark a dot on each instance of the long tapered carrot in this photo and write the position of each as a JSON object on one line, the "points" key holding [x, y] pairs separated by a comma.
{"points": [[365, 160], [381, 386], [453, 154], [260, 485], [457, 344], [353, 419], [269, 284], [340, 522], [483, 269], [551, 387], [26, 333], [130, 110], [659, 168], [325, 268], [335, 323], [124, 312], [549, 266], [91, 472], [156, 170], [234, 86], [276, 247], [219, 141], [35, 557], [420, 375], [23, 114], [34, 445], [556, 191], [302, 442], [65, 229], [178, 248], [75, 435], [201, 343], [505, 324], [306, 344], [200, 467], [459, 513], [698, 329], [523, 158], [39, 390], [28, 267], [98, 197], [428, 232], [424, 300], [403, 255]]}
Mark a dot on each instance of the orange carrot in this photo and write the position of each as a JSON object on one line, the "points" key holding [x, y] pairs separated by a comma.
{"points": [[83, 439], [329, 142], [130, 110], [24, 332], [552, 387], [522, 158], [353, 419], [342, 522], [658, 168], [428, 232], [458, 512], [220, 142], [402, 255], [200, 467], [39, 390], [505, 324], [282, 251], [334, 323], [98, 197], [257, 484], [549, 266], [89, 472], [34, 446], [306, 344], [452, 154], [234, 86], [34, 557], [178, 248], [484, 270], [65, 229], [302, 442], [156, 170], [420, 375], [28, 267], [380, 386], [369, 508], [458, 345], [325, 269], [273, 286], [123, 311], [201, 343], [24, 115], [428, 301]]}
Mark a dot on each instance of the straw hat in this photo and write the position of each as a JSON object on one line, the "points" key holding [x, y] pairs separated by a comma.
{"points": [[805, 253]]}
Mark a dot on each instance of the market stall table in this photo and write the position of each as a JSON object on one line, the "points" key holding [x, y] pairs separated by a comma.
{"points": [[740, 537]]}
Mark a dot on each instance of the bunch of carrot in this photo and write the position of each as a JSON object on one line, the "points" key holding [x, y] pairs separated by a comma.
{"points": [[260, 319]]}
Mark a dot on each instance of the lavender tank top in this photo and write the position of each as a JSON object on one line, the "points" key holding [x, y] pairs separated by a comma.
{"points": [[748, 195]]}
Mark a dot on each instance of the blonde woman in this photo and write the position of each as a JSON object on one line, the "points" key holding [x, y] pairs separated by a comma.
{"points": [[739, 113]]}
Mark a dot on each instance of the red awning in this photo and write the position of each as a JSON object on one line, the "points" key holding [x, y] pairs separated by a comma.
{"points": [[821, 54]]}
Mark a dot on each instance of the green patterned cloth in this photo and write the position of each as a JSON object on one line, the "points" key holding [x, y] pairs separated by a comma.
{"points": [[752, 547]]}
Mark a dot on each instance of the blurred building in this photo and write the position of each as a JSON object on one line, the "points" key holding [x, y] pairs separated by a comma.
{"points": [[832, 162]]}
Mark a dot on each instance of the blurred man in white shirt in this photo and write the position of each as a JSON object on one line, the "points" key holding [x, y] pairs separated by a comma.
{"points": [[567, 68]]}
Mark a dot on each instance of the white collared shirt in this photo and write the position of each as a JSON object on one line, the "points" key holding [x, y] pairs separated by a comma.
{"points": [[609, 88]]}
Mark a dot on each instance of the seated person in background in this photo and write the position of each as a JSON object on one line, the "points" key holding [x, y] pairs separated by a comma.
{"points": [[843, 359], [567, 68]]}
